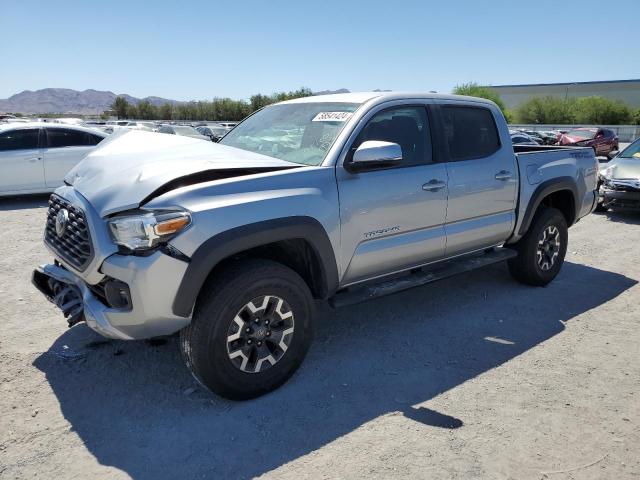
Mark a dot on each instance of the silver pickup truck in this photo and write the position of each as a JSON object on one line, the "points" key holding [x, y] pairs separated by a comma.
{"points": [[336, 198]]}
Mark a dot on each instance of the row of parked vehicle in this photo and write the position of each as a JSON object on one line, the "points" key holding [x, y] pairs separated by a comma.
{"points": [[35, 156], [212, 131], [602, 140]]}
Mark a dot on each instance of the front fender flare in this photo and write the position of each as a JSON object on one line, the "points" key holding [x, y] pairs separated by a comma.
{"points": [[245, 237]]}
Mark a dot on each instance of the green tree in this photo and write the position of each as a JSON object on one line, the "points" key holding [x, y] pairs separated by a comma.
{"points": [[600, 110], [545, 110], [582, 110], [259, 101], [132, 111], [472, 89], [146, 111], [165, 112], [120, 107], [216, 109], [636, 117]]}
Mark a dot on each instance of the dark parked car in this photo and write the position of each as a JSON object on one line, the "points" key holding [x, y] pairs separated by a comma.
{"points": [[519, 138], [544, 137], [214, 132], [602, 140]]}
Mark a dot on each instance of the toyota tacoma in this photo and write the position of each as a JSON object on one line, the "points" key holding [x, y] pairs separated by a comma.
{"points": [[333, 199]]}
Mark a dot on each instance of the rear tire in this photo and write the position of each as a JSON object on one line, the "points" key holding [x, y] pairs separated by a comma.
{"points": [[251, 329], [542, 250]]}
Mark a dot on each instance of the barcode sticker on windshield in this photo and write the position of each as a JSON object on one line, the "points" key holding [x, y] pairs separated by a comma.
{"points": [[332, 117]]}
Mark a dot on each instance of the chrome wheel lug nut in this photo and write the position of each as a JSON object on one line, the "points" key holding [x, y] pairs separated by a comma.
{"points": [[268, 333], [247, 329], [249, 341]]}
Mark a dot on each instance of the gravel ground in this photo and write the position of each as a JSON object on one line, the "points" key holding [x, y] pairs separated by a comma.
{"points": [[473, 377]]}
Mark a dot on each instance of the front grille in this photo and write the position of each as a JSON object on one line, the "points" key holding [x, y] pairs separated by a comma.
{"points": [[74, 243]]}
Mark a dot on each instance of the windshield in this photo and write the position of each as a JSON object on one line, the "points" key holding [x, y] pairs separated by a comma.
{"points": [[582, 133], [295, 132], [632, 151]]}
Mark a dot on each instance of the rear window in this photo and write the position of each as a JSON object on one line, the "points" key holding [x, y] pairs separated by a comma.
{"points": [[19, 139], [93, 139], [471, 132], [63, 137]]}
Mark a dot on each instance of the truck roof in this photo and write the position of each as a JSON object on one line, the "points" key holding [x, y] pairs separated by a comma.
{"points": [[362, 97]]}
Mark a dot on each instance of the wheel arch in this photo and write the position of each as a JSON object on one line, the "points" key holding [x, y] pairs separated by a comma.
{"points": [[560, 193], [300, 242]]}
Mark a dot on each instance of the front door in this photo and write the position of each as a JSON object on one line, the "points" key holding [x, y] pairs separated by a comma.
{"points": [[393, 219]]}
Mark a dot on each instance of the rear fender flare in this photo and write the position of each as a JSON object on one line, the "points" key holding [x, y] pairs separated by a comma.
{"points": [[544, 190]]}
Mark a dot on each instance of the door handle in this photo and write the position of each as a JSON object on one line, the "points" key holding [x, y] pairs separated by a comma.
{"points": [[35, 159], [433, 185], [503, 175]]}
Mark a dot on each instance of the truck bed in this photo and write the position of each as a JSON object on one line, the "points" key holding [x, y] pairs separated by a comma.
{"points": [[537, 165]]}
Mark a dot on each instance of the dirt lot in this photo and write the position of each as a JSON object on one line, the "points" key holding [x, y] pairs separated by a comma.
{"points": [[474, 377]]}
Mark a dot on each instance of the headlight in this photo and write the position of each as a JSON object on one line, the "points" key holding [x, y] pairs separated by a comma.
{"points": [[608, 172], [147, 229]]}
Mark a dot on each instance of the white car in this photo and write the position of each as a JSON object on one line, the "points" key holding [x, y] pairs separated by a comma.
{"points": [[35, 157]]}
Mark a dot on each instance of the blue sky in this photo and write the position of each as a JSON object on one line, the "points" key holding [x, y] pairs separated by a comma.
{"points": [[202, 49]]}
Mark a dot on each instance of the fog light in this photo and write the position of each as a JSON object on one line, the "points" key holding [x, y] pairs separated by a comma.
{"points": [[117, 294]]}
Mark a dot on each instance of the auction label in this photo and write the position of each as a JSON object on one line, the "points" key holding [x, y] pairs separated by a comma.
{"points": [[332, 117]]}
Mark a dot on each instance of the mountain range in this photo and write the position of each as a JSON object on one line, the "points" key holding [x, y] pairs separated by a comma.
{"points": [[86, 102], [66, 100]]}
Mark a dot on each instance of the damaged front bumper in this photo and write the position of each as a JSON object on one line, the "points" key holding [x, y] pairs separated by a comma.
{"points": [[76, 300], [620, 195], [132, 302]]}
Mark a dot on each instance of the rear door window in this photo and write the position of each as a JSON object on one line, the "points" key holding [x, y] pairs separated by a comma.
{"points": [[22, 139], [470, 132], [64, 137], [93, 139]]}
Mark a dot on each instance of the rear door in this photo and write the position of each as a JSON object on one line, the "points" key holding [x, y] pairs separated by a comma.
{"points": [[483, 178], [65, 147], [21, 160], [393, 218]]}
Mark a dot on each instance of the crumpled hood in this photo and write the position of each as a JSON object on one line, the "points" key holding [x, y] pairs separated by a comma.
{"points": [[625, 168], [128, 167]]}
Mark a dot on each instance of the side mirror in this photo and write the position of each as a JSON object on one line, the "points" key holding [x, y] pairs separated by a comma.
{"points": [[612, 153], [376, 154]]}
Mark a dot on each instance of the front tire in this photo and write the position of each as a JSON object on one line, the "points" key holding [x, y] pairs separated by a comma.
{"points": [[542, 250], [251, 329]]}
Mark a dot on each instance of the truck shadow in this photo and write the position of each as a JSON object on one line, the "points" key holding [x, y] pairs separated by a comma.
{"points": [[136, 407]]}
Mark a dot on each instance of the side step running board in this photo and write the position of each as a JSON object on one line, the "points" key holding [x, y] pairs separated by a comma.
{"points": [[422, 276]]}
